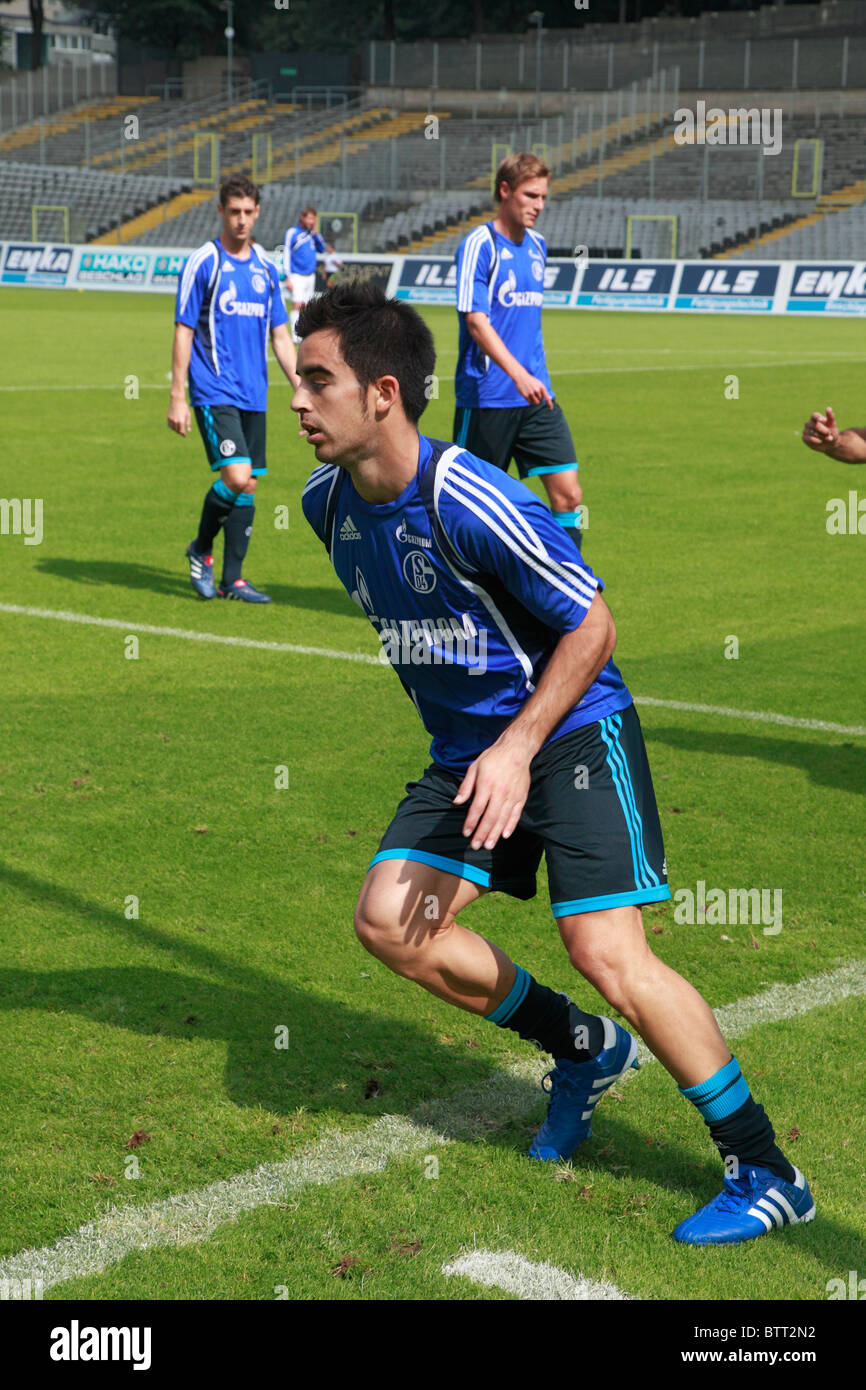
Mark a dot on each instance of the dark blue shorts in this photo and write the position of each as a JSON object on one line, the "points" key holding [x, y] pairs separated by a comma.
{"points": [[233, 436], [536, 437], [591, 811]]}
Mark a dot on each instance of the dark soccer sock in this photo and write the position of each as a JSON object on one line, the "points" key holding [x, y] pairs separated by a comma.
{"points": [[568, 521], [217, 506], [549, 1020], [237, 527], [737, 1125]]}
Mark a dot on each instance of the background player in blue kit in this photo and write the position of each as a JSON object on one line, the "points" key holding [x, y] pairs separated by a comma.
{"points": [[300, 246], [505, 406], [441, 549], [228, 301]]}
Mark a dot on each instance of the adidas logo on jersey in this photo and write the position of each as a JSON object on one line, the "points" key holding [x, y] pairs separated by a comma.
{"points": [[349, 531], [506, 254]]}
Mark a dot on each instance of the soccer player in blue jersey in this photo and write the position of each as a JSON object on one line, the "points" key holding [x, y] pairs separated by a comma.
{"points": [[505, 404], [300, 246], [228, 302], [499, 634]]}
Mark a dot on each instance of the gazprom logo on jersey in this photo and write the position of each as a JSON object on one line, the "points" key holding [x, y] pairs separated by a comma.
{"points": [[433, 642], [625, 285], [732, 288], [36, 265], [430, 280], [510, 296], [244, 308], [841, 288], [167, 267], [407, 538], [113, 267]]}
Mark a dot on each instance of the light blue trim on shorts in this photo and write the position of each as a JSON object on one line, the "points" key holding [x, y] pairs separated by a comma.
{"points": [[221, 462], [436, 861], [552, 468], [631, 898]]}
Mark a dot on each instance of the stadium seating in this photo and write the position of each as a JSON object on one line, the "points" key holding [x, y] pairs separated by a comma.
{"points": [[96, 200]]}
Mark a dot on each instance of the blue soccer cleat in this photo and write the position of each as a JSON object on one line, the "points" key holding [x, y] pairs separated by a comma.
{"points": [[201, 572], [748, 1206], [575, 1090], [242, 590]]}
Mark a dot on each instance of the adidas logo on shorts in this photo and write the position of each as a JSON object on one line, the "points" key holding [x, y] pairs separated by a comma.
{"points": [[349, 531]]}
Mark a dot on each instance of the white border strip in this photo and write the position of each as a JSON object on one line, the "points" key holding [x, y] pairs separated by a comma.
{"points": [[194, 1216], [503, 1269], [191, 635]]}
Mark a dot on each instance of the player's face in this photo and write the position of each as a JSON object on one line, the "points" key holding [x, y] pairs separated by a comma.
{"points": [[239, 217], [308, 220], [329, 403], [523, 204]]}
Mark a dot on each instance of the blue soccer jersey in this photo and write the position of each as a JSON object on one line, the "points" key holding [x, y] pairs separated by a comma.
{"points": [[504, 280], [232, 304], [299, 250], [469, 583]]}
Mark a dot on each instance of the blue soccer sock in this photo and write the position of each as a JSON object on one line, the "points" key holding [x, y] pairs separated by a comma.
{"points": [[549, 1020], [738, 1127]]}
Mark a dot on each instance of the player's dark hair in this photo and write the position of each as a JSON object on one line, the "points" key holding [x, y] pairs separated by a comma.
{"points": [[308, 208], [378, 337], [239, 186]]}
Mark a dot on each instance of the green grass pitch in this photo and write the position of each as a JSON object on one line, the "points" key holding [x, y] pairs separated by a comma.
{"points": [[153, 779]]}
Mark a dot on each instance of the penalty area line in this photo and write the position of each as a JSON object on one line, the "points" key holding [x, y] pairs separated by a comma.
{"points": [[469, 1115], [295, 649]]}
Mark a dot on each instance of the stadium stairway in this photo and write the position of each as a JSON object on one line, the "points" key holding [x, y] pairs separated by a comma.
{"points": [[326, 147], [852, 195], [35, 131], [153, 150], [569, 152], [163, 212]]}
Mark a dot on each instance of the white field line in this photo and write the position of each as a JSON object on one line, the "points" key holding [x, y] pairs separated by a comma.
{"points": [[503, 1269], [727, 361], [762, 716], [471, 1114], [189, 634], [192, 635]]}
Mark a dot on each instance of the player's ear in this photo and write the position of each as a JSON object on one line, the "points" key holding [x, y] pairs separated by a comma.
{"points": [[387, 392]]}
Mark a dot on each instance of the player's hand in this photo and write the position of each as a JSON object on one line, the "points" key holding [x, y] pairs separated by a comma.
{"points": [[179, 417], [533, 391], [498, 782], [821, 432]]}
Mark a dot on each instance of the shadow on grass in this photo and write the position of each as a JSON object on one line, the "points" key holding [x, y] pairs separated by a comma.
{"points": [[335, 1056], [825, 764], [126, 574], [335, 1052]]}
